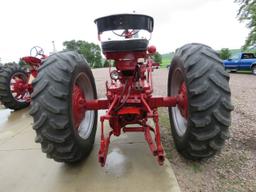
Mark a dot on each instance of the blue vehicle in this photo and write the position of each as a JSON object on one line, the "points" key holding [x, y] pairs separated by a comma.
{"points": [[241, 62]]}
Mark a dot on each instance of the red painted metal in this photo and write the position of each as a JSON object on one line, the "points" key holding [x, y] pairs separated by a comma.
{"points": [[78, 108], [31, 60], [18, 87], [129, 99], [183, 100], [21, 88], [130, 102], [153, 102], [129, 110], [34, 64], [152, 49]]}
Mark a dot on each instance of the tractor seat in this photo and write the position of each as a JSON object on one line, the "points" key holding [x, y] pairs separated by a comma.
{"points": [[125, 45]]}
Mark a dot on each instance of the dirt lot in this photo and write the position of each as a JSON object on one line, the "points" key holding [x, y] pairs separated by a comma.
{"points": [[234, 169]]}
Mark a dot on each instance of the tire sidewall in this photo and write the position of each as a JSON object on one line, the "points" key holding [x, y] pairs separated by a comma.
{"points": [[209, 102]]}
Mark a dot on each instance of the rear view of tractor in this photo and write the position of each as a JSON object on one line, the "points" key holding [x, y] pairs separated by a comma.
{"points": [[65, 104], [15, 80]]}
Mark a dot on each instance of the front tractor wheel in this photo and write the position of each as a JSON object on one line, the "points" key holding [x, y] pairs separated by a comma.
{"points": [[64, 128], [14, 87], [200, 122]]}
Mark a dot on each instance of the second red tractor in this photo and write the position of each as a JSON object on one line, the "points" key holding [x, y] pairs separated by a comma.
{"points": [[15, 80]]}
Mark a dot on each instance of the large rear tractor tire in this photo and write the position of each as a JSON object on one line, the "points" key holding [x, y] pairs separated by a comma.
{"points": [[12, 79], [64, 129], [199, 124]]}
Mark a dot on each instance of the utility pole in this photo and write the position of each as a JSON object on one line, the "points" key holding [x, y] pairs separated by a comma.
{"points": [[53, 45], [53, 48]]}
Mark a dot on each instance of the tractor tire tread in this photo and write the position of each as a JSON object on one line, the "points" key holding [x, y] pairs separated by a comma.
{"points": [[210, 104], [50, 108]]}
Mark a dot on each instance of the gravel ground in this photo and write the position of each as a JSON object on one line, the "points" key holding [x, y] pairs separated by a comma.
{"points": [[234, 169]]}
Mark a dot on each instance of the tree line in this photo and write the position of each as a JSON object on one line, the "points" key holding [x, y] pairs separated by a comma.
{"points": [[247, 14], [92, 53]]}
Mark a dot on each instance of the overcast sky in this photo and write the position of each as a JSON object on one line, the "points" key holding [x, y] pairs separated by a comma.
{"points": [[26, 23]]}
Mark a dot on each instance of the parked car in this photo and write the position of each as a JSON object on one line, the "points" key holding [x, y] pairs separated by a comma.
{"points": [[242, 62]]}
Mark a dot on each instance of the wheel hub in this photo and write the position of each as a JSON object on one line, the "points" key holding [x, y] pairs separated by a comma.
{"points": [[78, 106], [180, 112], [19, 88], [183, 100]]}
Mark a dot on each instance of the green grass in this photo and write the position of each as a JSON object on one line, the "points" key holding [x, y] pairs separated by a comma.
{"points": [[164, 118], [165, 62], [235, 51], [167, 57], [196, 167]]}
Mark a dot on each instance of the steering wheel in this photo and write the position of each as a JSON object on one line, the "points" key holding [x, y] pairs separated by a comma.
{"points": [[127, 33], [36, 51]]}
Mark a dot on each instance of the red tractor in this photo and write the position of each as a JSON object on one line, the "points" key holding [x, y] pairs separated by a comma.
{"points": [[15, 80], [65, 104]]}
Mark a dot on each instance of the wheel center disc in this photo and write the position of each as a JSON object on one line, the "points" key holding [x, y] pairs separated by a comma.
{"points": [[82, 119], [183, 101], [18, 87], [78, 108], [180, 111]]}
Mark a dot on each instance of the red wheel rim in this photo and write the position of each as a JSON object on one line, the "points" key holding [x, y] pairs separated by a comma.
{"points": [[19, 87], [180, 112], [183, 101], [83, 120], [77, 106]]}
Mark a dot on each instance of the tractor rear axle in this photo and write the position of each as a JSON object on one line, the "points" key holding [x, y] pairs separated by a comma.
{"points": [[136, 110], [153, 102]]}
